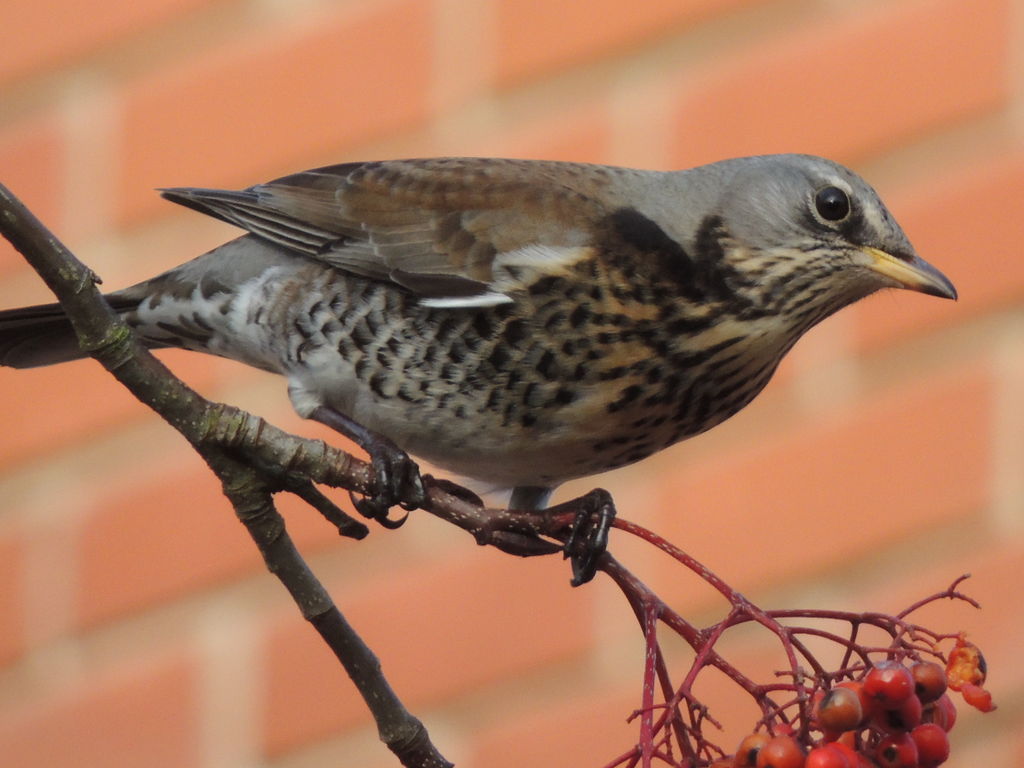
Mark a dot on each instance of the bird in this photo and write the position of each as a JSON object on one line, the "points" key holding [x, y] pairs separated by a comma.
{"points": [[519, 323]]}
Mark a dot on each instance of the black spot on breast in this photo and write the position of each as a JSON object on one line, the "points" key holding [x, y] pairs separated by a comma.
{"points": [[611, 374], [564, 396], [301, 329], [546, 365], [685, 326], [626, 396], [515, 332], [483, 325], [579, 316], [361, 335], [499, 356], [548, 285]]}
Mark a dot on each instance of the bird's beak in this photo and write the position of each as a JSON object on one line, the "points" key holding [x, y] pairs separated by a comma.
{"points": [[915, 274]]}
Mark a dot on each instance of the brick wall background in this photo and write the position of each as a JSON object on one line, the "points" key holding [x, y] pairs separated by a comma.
{"points": [[137, 626]]}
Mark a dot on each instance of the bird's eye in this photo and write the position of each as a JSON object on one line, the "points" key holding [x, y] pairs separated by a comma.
{"points": [[833, 204]]}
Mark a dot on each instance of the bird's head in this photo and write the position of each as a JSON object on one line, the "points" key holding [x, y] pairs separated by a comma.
{"points": [[810, 236]]}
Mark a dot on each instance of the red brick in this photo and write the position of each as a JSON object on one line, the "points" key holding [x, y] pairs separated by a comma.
{"points": [[580, 727], [157, 541], [440, 629], [263, 102], [580, 133], [537, 36], [175, 534], [139, 715], [849, 85], [966, 221], [45, 34], [48, 409], [31, 156], [12, 608], [818, 493]]}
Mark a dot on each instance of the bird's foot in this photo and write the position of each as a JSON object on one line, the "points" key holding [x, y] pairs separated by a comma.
{"points": [[582, 524], [588, 536], [396, 476]]}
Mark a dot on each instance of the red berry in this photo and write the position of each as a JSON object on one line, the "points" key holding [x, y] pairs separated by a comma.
{"points": [[941, 712], [932, 745], [781, 752], [897, 750], [977, 697], [746, 752], [846, 749], [827, 757], [929, 681], [839, 711], [889, 683], [901, 718]]}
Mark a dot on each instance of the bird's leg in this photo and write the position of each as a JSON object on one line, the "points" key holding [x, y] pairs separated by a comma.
{"points": [[396, 476], [530, 497]]}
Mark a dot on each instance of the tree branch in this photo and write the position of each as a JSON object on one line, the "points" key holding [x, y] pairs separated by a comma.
{"points": [[252, 459]]}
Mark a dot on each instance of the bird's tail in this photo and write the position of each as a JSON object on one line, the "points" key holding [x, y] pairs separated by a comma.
{"points": [[41, 335]]}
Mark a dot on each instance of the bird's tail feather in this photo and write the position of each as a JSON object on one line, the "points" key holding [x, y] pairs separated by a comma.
{"points": [[41, 335]]}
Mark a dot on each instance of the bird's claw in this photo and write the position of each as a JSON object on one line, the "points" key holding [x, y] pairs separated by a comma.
{"points": [[588, 537], [396, 482], [396, 478]]}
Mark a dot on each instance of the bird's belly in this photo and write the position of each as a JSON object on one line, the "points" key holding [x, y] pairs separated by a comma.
{"points": [[543, 434]]}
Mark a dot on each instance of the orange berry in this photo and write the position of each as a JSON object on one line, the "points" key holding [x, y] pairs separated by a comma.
{"points": [[746, 752], [840, 710], [866, 704], [781, 752], [929, 681]]}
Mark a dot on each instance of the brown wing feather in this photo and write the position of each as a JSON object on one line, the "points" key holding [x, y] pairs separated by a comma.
{"points": [[439, 227]]}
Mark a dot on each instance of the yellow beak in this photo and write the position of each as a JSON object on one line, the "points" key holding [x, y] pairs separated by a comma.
{"points": [[915, 274]]}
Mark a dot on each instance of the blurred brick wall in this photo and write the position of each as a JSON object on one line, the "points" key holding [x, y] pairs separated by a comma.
{"points": [[137, 626]]}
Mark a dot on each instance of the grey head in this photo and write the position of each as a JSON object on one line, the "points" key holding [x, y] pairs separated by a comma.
{"points": [[798, 231]]}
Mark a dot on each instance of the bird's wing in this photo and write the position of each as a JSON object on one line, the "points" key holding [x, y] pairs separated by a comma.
{"points": [[455, 231]]}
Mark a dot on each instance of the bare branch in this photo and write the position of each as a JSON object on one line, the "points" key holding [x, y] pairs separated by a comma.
{"points": [[252, 459]]}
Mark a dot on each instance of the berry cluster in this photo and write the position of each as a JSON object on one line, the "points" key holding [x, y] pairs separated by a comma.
{"points": [[853, 689], [894, 715]]}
